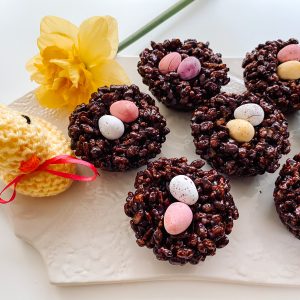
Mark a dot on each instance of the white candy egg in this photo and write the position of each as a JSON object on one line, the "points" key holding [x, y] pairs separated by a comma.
{"points": [[250, 112], [111, 127], [183, 189]]}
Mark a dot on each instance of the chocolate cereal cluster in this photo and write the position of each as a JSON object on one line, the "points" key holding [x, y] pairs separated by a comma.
{"points": [[213, 213], [214, 144], [169, 88], [287, 195], [141, 140], [261, 75]]}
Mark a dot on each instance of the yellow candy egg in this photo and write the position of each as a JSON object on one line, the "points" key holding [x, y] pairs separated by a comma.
{"points": [[241, 130], [289, 70]]}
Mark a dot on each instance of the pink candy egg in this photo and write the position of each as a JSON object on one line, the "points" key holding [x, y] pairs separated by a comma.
{"points": [[189, 68], [169, 63], [124, 110], [177, 218], [289, 52]]}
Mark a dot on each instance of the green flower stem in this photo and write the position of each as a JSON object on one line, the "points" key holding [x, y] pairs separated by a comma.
{"points": [[154, 23]]}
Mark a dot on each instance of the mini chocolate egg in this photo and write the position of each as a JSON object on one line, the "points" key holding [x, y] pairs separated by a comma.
{"points": [[289, 52], [111, 127], [169, 63], [289, 70], [241, 130], [250, 112], [124, 110], [183, 189], [178, 217], [189, 68]]}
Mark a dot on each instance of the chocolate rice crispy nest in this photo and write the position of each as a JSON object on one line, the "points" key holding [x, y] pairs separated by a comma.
{"points": [[287, 195], [261, 77], [213, 213], [213, 143], [180, 94], [140, 142]]}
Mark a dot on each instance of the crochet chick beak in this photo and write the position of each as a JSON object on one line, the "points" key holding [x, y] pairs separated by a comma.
{"points": [[73, 62]]}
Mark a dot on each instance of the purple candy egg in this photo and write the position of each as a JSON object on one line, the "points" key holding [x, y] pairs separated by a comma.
{"points": [[189, 68]]}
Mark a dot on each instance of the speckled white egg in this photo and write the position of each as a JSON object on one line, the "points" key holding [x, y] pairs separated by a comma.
{"points": [[250, 112], [183, 189], [111, 127]]}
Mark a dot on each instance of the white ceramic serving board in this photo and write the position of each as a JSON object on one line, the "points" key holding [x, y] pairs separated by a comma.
{"points": [[84, 236]]}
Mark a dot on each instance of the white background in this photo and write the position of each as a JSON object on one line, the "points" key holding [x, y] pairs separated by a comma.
{"points": [[233, 27]]}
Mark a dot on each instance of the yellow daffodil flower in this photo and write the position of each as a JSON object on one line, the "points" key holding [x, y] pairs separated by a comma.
{"points": [[73, 62]]}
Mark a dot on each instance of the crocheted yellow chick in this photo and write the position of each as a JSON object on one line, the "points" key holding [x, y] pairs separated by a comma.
{"points": [[25, 143]]}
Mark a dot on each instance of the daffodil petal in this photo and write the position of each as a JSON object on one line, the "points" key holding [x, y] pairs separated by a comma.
{"points": [[58, 83], [71, 69], [53, 52], [34, 66], [38, 77], [109, 72], [54, 40], [31, 64], [74, 75], [59, 26], [87, 78], [49, 98], [63, 63], [97, 40], [79, 96]]}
